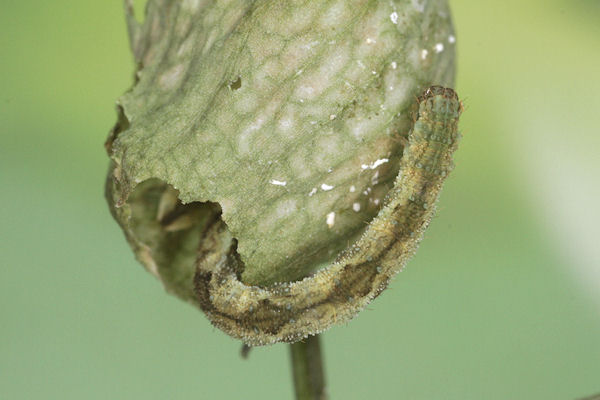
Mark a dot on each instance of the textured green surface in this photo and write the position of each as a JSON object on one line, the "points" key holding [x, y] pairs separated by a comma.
{"points": [[283, 112], [501, 302]]}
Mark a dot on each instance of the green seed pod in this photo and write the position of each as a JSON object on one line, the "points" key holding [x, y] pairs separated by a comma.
{"points": [[276, 162]]}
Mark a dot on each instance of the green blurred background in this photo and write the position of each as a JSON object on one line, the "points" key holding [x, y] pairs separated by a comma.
{"points": [[502, 300]]}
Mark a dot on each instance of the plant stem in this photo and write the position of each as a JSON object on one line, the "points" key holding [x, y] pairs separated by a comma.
{"points": [[307, 369]]}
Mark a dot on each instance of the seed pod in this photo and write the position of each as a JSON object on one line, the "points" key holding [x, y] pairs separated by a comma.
{"points": [[265, 143]]}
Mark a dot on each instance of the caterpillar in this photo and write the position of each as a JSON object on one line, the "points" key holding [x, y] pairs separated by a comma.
{"points": [[289, 312]]}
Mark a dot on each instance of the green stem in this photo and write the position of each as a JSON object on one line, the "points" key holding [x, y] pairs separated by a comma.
{"points": [[307, 369]]}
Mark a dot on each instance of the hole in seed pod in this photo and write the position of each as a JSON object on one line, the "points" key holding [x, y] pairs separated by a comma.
{"points": [[235, 85], [166, 233]]}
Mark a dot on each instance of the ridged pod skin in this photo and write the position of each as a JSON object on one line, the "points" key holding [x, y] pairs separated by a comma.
{"points": [[276, 163]]}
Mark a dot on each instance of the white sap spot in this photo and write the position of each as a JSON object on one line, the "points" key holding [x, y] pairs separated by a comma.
{"points": [[330, 219], [376, 201], [352, 189], [356, 207], [332, 117], [375, 164], [326, 187], [371, 41], [394, 65], [374, 72], [312, 192], [439, 47], [277, 183], [394, 17], [299, 72], [451, 39], [424, 53]]}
